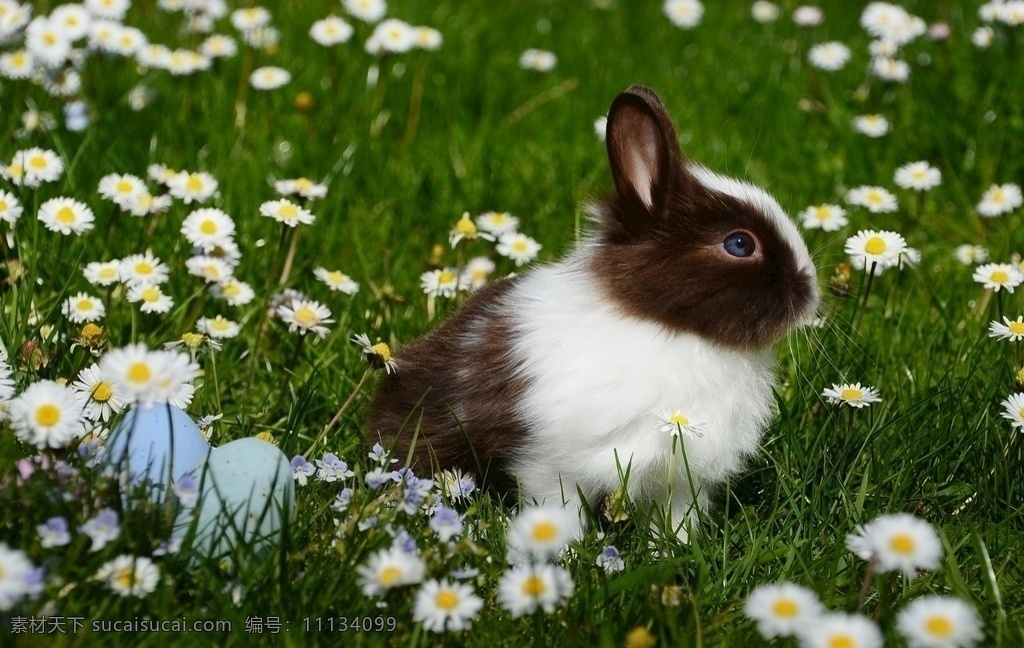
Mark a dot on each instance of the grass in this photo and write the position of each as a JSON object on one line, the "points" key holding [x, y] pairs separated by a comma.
{"points": [[465, 129]]}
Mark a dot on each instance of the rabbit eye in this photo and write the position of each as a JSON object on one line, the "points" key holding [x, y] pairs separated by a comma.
{"points": [[739, 244]]}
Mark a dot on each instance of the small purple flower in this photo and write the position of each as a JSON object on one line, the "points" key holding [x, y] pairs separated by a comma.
{"points": [[331, 468], [465, 573], [35, 580], [187, 490], [342, 500], [381, 455], [301, 469], [102, 528], [405, 542], [54, 533], [377, 478], [368, 523], [446, 523], [170, 546], [415, 493], [610, 560]]}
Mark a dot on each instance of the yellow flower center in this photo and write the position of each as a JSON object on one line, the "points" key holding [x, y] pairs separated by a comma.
{"points": [[305, 316], [3, 205], [998, 196], [15, 170], [822, 212], [288, 210], [143, 268], [519, 246], [91, 333], [875, 245], [47, 415], [851, 394], [151, 294], [219, 324], [102, 392], [336, 277], [126, 577], [231, 289], [194, 183], [534, 586], [139, 372], [544, 531], [446, 600], [999, 276], [193, 340], [66, 215], [679, 419], [390, 576], [785, 608], [208, 227], [445, 277], [478, 275], [303, 184], [84, 305], [108, 273], [938, 626], [918, 174], [466, 227], [19, 59], [124, 187], [841, 641], [1017, 328], [902, 543], [382, 350], [211, 271]]}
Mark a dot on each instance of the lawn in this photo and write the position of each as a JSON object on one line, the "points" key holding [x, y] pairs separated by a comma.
{"points": [[405, 143]]}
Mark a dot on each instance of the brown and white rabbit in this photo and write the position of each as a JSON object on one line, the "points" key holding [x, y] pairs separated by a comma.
{"points": [[552, 381]]}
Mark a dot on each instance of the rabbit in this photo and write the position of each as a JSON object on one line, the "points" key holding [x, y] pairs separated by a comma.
{"points": [[552, 381]]}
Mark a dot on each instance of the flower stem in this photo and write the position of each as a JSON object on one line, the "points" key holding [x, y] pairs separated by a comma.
{"points": [[865, 586], [867, 292], [290, 259]]}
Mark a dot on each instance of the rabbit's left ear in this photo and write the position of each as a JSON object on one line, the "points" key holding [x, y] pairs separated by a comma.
{"points": [[643, 150]]}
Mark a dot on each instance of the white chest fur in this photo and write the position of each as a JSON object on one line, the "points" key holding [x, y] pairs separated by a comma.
{"points": [[599, 380]]}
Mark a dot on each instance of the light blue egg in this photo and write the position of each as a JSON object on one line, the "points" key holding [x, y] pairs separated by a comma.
{"points": [[158, 444], [247, 496]]}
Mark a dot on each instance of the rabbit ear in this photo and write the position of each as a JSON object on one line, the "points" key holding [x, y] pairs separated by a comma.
{"points": [[643, 150]]}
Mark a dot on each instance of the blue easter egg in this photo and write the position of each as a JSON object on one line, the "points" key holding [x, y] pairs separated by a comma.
{"points": [[158, 444], [247, 496]]}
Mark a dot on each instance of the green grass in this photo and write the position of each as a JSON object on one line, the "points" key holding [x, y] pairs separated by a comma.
{"points": [[465, 129]]}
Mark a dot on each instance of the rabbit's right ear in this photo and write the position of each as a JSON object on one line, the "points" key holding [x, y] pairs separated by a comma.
{"points": [[643, 151]]}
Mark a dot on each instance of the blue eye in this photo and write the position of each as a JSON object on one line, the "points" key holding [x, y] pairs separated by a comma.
{"points": [[739, 244]]}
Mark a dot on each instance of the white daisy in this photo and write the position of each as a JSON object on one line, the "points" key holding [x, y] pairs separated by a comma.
{"points": [[519, 247], [150, 297], [868, 247], [129, 575], [871, 125], [876, 199], [66, 215], [330, 31], [47, 414], [207, 228], [192, 187], [919, 176], [19, 64], [10, 208], [218, 46], [538, 60], [366, 10], [250, 18], [476, 272], [685, 14], [443, 282], [939, 622], [829, 56], [336, 280], [388, 569], [218, 328], [889, 69], [144, 268], [47, 42], [128, 41], [808, 16], [83, 308], [525, 588], [72, 20], [1012, 330], [300, 187], [305, 316], [837, 629], [210, 269], [983, 37], [265, 38], [897, 542], [826, 217], [971, 254], [1000, 199], [999, 276], [121, 188], [427, 38], [269, 78], [541, 531], [286, 212], [443, 605], [466, 229], [102, 273], [146, 204], [765, 12], [109, 9], [497, 223], [675, 422], [15, 571], [378, 355], [391, 35], [174, 385], [102, 399], [234, 292], [1013, 410], [852, 395], [147, 377], [780, 610]]}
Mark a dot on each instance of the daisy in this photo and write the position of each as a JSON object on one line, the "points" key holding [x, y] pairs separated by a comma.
{"points": [[330, 31], [475, 275], [264, 38], [121, 188], [47, 43], [251, 18], [102, 273], [538, 60], [15, 571], [868, 247], [146, 204], [852, 395], [128, 41], [108, 9], [305, 316], [1013, 410], [72, 20], [336, 280], [826, 217], [151, 298], [144, 376], [218, 328], [525, 588], [102, 399], [939, 622], [378, 355], [209, 269], [47, 414], [82, 308], [144, 268], [1012, 330], [391, 35], [983, 37], [161, 173], [998, 276], [286, 212], [10, 208], [66, 215], [971, 254], [808, 16], [389, 568], [497, 223], [300, 187], [919, 176], [542, 531], [829, 56], [442, 605], [366, 10], [781, 610], [899, 541], [234, 292], [876, 199], [467, 230], [427, 38], [840, 629], [685, 14], [208, 227], [444, 282], [269, 78], [192, 187], [871, 125], [129, 575], [174, 384], [218, 46], [53, 533], [1000, 199], [889, 69], [519, 247], [765, 12], [674, 422]]}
